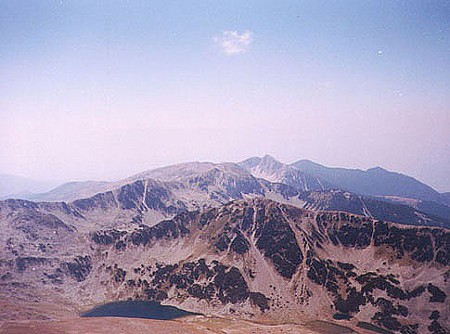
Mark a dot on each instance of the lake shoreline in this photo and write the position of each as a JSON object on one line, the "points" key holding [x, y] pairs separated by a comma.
{"points": [[137, 309]]}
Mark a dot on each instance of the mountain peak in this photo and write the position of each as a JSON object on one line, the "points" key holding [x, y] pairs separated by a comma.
{"points": [[377, 169], [305, 163], [271, 161], [272, 170], [267, 167], [268, 157]]}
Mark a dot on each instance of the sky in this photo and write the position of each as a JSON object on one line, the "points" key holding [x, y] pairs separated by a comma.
{"points": [[105, 89]]}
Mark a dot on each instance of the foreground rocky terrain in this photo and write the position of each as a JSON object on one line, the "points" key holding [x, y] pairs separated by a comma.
{"points": [[190, 325], [253, 259]]}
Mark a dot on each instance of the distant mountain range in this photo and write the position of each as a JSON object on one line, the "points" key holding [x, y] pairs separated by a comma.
{"points": [[22, 187], [302, 183], [259, 240], [373, 182], [70, 191]]}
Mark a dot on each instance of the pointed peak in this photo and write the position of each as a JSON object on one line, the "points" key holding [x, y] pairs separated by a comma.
{"points": [[266, 160], [269, 159]]}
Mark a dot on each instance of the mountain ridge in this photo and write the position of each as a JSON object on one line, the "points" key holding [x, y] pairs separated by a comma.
{"points": [[278, 170], [190, 186], [375, 181], [14, 184]]}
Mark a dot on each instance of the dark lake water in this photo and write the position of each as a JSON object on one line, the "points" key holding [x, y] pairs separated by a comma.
{"points": [[137, 309]]}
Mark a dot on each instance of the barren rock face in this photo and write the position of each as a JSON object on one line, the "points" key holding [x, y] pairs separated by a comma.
{"points": [[251, 259]]}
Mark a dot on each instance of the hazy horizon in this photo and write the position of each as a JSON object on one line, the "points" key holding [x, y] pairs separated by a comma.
{"points": [[105, 90]]}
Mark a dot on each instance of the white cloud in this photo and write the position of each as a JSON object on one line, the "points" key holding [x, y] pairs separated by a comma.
{"points": [[233, 43]]}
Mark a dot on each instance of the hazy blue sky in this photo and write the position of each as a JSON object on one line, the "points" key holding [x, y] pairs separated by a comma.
{"points": [[104, 89]]}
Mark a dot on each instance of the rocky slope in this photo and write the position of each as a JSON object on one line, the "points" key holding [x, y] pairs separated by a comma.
{"points": [[272, 170], [373, 185], [201, 184], [437, 209], [339, 200], [142, 201], [254, 259]]}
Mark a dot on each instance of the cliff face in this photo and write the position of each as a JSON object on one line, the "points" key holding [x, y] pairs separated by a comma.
{"points": [[255, 259]]}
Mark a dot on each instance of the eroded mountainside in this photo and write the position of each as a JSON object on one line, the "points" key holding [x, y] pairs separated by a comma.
{"points": [[254, 258], [339, 200], [272, 170], [197, 185]]}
